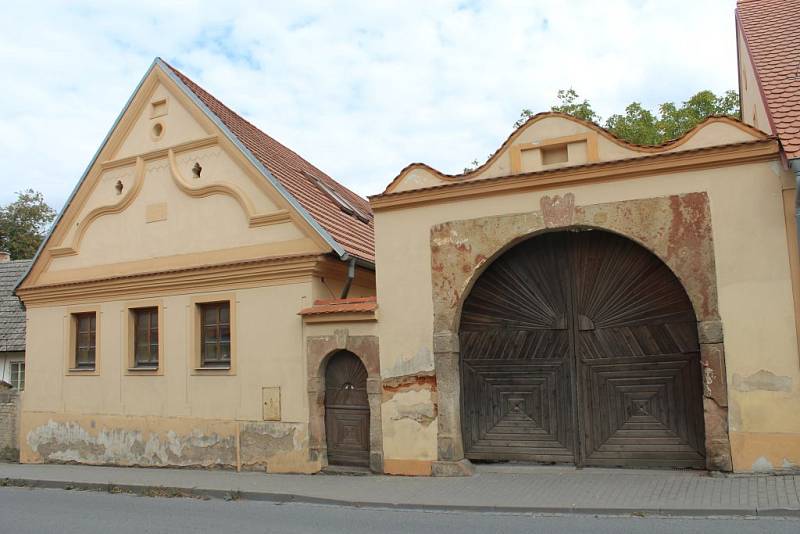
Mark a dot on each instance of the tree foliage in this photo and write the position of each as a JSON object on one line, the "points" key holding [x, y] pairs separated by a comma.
{"points": [[568, 102], [640, 125], [645, 127], [23, 224]]}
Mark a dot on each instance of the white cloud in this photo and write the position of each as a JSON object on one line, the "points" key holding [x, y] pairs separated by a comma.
{"points": [[360, 89]]}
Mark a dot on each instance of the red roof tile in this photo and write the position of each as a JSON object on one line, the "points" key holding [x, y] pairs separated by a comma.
{"points": [[769, 28], [352, 305], [297, 177]]}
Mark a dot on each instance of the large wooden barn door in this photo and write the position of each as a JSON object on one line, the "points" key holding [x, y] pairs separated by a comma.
{"points": [[517, 374], [346, 410], [581, 347]]}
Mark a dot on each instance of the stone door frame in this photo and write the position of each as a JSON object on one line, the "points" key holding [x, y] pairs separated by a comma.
{"points": [[677, 229], [319, 351]]}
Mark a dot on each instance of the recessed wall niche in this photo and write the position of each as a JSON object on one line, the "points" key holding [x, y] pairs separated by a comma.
{"points": [[157, 131], [158, 108]]}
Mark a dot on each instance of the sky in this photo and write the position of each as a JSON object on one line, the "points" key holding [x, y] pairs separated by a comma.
{"points": [[360, 89]]}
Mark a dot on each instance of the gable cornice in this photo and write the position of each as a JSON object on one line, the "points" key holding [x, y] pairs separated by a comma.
{"points": [[652, 164], [592, 127]]}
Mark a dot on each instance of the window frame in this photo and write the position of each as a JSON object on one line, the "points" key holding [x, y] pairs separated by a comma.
{"points": [[72, 341], [131, 365], [218, 340], [198, 335], [20, 371]]}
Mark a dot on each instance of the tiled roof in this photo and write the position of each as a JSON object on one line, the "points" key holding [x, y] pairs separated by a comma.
{"points": [[12, 315], [298, 177], [769, 28], [351, 305]]}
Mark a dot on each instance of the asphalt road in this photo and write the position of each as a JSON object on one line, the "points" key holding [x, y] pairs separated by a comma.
{"points": [[24, 511]]}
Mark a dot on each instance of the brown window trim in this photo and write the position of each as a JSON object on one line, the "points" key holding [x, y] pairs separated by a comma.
{"points": [[196, 334], [85, 324], [138, 367], [218, 326], [146, 352]]}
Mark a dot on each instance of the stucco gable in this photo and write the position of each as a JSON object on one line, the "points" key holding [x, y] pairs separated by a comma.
{"points": [[168, 189], [550, 141]]}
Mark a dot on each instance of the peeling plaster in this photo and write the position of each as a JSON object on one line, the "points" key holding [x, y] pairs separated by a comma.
{"points": [[422, 361], [416, 405], [260, 443], [423, 413], [763, 380], [414, 382], [762, 465], [69, 442]]}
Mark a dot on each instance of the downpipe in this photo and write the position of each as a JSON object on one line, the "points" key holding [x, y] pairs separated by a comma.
{"points": [[351, 274], [795, 166]]}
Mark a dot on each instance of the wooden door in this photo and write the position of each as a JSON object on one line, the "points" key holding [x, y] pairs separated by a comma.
{"points": [[581, 347], [516, 372], [346, 410], [638, 357]]}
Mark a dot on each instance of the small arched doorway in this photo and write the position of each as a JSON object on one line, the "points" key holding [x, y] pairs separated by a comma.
{"points": [[581, 347], [346, 410]]}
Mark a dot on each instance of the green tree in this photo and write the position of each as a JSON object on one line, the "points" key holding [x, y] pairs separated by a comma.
{"points": [[642, 126], [23, 224]]}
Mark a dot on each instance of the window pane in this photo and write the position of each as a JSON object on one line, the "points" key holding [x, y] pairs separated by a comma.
{"points": [[85, 357], [210, 334], [141, 325], [210, 352], [209, 314], [225, 334], [224, 313], [18, 375], [225, 351]]}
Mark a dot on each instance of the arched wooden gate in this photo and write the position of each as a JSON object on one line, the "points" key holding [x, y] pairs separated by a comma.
{"points": [[581, 347]]}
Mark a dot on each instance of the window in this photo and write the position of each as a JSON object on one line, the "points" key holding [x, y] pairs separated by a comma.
{"points": [[85, 340], [343, 203], [215, 334], [145, 338], [18, 375]]}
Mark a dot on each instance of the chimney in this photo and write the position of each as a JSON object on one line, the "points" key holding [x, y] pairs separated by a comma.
{"points": [[4, 256]]}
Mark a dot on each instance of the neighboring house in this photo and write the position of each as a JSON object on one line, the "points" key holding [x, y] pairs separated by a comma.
{"points": [[769, 87], [12, 323], [207, 298]]}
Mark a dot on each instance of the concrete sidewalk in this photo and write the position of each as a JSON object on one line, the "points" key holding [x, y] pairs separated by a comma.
{"points": [[526, 489]]}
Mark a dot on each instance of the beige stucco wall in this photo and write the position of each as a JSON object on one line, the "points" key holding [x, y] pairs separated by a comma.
{"points": [[754, 111], [754, 291], [101, 418]]}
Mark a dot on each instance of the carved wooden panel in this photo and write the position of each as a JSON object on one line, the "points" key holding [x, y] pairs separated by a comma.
{"points": [[581, 347], [346, 410]]}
